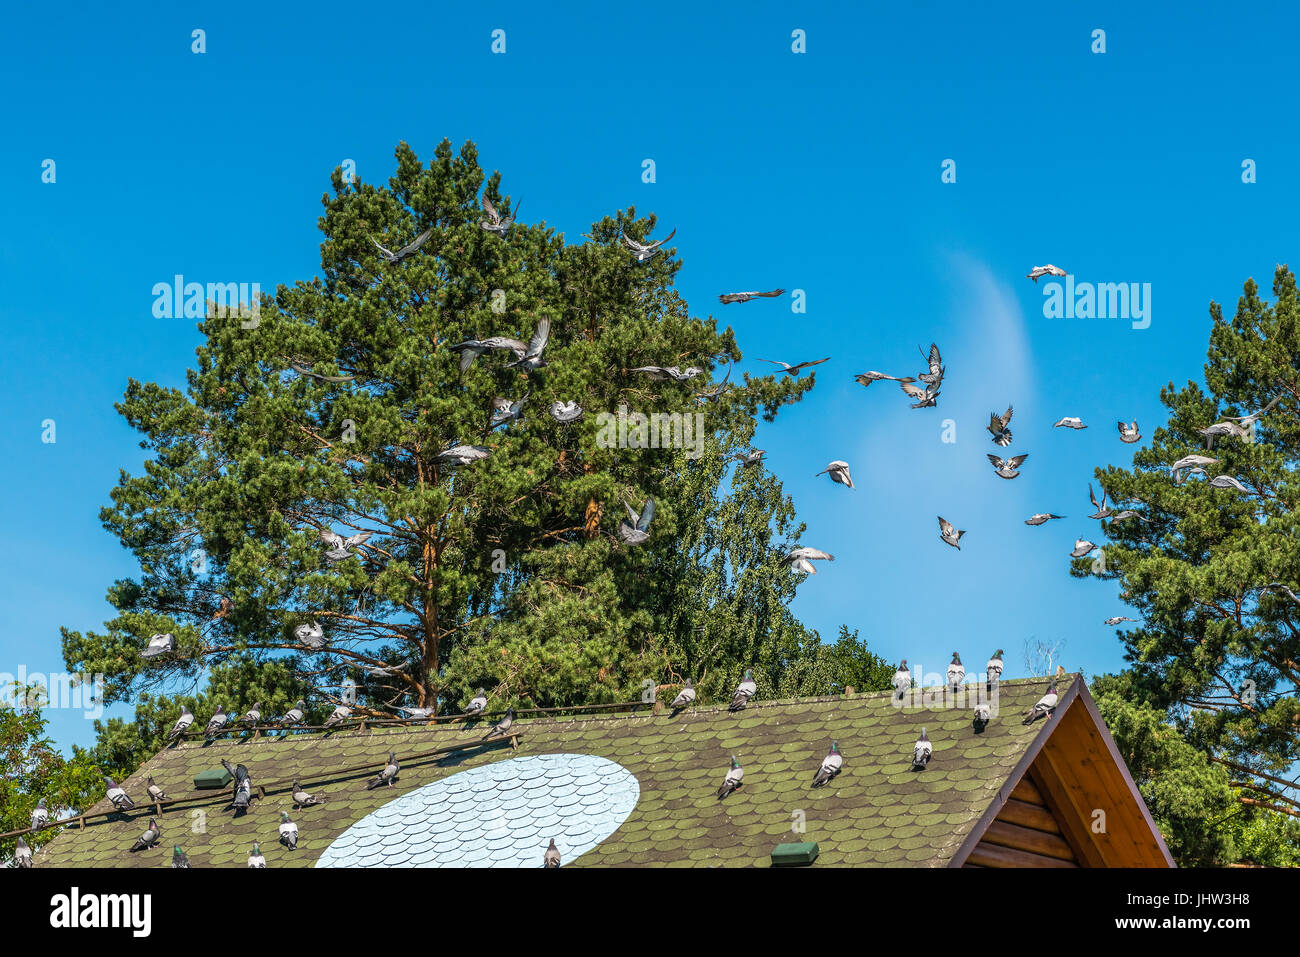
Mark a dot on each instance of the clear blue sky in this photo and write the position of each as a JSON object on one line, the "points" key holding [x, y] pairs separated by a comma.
{"points": [[818, 171]]}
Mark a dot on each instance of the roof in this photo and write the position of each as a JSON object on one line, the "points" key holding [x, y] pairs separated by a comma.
{"points": [[663, 811]]}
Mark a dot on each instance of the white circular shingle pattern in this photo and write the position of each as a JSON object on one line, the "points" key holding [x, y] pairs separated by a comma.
{"points": [[499, 815]]}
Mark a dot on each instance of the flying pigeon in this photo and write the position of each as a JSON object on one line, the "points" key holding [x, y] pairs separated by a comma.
{"points": [[155, 792], [993, 670], [1116, 620], [1049, 270], [1129, 432], [40, 815], [552, 856], [1127, 513], [502, 727], [732, 781], [158, 645], [496, 223], [956, 672], [1191, 461], [1045, 706], [1231, 429], [471, 349], [1007, 468], [949, 533], [685, 698], [831, 765], [463, 454], [935, 362], [304, 369], [1102, 510], [288, 831], [801, 559], [839, 472], [505, 411], [340, 547], [727, 298], [252, 716], [1069, 422], [670, 372], [749, 458], [22, 854], [302, 799], [406, 251], [1247, 421], [927, 398], [645, 251], [313, 635], [1038, 518], [224, 608], [531, 360], [293, 715], [182, 724], [1082, 547], [1227, 481], [865, 379], [566, 412], [117, 795], [998, 427], [388, 774], [902, 679], [636, 531], [178, 857], [217, 723], [477, 704], [797, 367], [921, 752], [149, 838], [744, 691], [337, 716], [721, 386], [255, 859]]}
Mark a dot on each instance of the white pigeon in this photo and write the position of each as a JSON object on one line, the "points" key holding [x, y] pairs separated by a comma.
{"points": [[921, 751], [158, 645], [1049, 270], [1045, 705], [839, 472], [950, 533], [1082, 547], [956, 672], [801, 559], [1006, 468], [1128, 432], [902, 678], [566, 412], [1069, 422], [313, 635], [340, 547], [463, 454]]}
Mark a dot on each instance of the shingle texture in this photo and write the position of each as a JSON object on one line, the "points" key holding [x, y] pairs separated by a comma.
{"points": [[877, 812]]}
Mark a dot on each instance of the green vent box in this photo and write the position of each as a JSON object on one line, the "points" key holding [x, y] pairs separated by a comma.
{"points": [[794, 855], [219, 778]]}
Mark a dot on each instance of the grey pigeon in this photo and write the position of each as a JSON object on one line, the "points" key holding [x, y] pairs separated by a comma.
{"points": [[149, 838], [1044, 706], [302, 799], [935, 363], [388, 774], [902, 679], [670, 372], [1049, 270], [252, 716], [831, 765], [956, 672], [478, 703], [552, 856], [1121, 516], [866, 378], [749, 458], [927, 398], [1038, 518], [293, 715], [182, 724], [727, 298], [566, 412], [645, 251], [117, 796], [417, 714], [801, 559], [463, 454], [732, 781], [340, 548], [1082, 547], [1222, 429], [1102, 510], [306, 370], [256, 859], [471, 349], [1117, 620], [839, 472], [496, 223], [998, 427], [1007, 468], [501, 727], [1248, 420], [744, 691], [1227, 481], [41, 815], [798, 367], [685, 698], [288, 831], [155, 792], [337, 716], [158, 645], [921, 752], [312, 636], [505, 411], [993, 670], [635, 534], [178, 857], [532, 357], [949, 533], [22, 854], [406, 251], [1128, 432], [217, 722], [1069, 422], [243, 785]]}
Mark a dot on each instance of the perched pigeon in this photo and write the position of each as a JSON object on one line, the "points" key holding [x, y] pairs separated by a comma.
{"points": [[982, 715], [950, 534], [1049, 270], [1129, 432], [801, 559], [218, 722], [178, 857], [1102, 510], [902, 679], [224, 609], [921, 752], [1227, 481], [993, 670], [255, 859], [998, 427], [293, 715], [117, 795], [41, 816], [1045, 706], [243, 785], [463, 454], [288, 831], [388, 774], [566, 412], [732, 781], [935, 363], [636, 531], [182, 724], [313, 635], [22, 854], [302, 799], [831, 765], [531, 360], [406, 251], [418, 713], [727, 298], [478, 703], [1038, 518], [552, 856], [645, 251], [155, 792], [744, 691], [252, 716], [956, 672], [496, 223], [502, 727], [1116, 620], [839, 472], [340, 548], [797, 367], [1069, 422], [1007, 468], [685, 698], [670, 372], [149, 838], [1082, 547], [749, 458], [865, 379], [158, 645], [337, 716]]}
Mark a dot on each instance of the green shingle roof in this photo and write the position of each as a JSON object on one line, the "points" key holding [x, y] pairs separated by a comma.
{"points": [[877, 812]]}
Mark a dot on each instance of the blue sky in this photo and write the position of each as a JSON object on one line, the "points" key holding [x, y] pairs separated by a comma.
{"points": [[818, 171]]}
